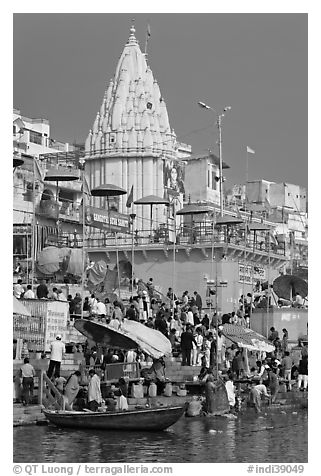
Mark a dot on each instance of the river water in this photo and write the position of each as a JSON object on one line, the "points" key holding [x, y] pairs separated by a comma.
{"points": [[272, 438]]}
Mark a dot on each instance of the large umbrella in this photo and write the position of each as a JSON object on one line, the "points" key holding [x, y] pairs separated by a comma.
{"points": [[19, 308], [61, 175], [131, 335], [258, 227], [288, 285], [107, 190], [228, 220], [151, 200], [193, 209], [247, 338]]}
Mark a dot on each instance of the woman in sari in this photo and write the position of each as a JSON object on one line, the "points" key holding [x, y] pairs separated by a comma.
{"points": [[71, 389]]}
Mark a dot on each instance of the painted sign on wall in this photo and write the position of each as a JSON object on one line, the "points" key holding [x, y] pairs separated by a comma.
{"points": [[99, 218], [250, 274], [56, 321]]}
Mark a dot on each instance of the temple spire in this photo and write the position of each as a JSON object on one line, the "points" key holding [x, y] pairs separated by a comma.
{"points": [[132, 37]]}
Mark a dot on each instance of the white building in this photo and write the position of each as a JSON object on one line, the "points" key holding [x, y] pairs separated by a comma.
{"points": [[131, 143]]}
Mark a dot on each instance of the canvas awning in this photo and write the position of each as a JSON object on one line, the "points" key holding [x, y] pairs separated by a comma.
{"points": [[131, 335], [247, 338]]}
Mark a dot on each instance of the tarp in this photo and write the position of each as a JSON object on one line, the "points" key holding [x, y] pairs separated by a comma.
{"points": [[247, 338], [131, 335], [75, 262], [97, 273], [19, 308], [49, 259]]}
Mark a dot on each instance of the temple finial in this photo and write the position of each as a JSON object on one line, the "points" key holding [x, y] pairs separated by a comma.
{"points": [[132, 38]]}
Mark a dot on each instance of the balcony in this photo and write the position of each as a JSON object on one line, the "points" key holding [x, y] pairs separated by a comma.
{"points": [[66, 211], [200, 234]]}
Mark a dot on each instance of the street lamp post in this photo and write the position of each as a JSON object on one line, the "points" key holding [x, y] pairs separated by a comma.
{"points": [[219, 126], [82, 168], [173, 202], [132, 221]]}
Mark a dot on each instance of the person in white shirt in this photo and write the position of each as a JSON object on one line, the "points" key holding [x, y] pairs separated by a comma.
{"points": [[189, 317], [101, 309], [61, 296], [29, 294], [18, 289], [185, 298], [255, 396], [199, 345], [298, 301], [27, 373], [57, 349], [94, 392], [230, 389]]}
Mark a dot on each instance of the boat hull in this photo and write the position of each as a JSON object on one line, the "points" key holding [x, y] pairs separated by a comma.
{"points": [[139, 420]]}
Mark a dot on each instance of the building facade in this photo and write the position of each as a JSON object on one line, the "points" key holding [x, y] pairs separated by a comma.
{"points": [[131, 143]]}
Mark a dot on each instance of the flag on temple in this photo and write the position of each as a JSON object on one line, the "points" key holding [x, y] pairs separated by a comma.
{"points": [[249, 150], [130, 198], [148, 30]]}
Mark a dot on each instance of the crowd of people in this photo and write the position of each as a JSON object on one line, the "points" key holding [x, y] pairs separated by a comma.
{"points": [[194, 335]]}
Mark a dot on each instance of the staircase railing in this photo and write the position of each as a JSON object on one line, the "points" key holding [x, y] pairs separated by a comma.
{"points": [[49, 395]]}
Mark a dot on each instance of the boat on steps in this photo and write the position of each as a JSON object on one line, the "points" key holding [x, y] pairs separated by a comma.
{"points": [[151, 419]]}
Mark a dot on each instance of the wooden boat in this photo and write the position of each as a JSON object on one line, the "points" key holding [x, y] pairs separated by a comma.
{"points": [[151, 419]]}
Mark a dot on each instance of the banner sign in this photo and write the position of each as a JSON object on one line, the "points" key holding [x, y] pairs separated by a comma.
{"points": [[56, 321], [250, 274], [30, 329], [174, 176], [98, 218]]}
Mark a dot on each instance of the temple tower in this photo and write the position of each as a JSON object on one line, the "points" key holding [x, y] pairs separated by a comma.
{"points": [[131, 142]]}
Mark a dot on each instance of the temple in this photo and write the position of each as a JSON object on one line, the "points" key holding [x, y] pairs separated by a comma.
{"points": [[131, 143]]}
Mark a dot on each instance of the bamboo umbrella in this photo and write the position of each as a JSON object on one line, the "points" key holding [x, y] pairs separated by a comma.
{"points": [[151, 200]]}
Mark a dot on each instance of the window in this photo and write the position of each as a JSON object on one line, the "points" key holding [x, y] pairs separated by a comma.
{"points": [[213, 180], [35, 137], [14, 129], [208, 178]]}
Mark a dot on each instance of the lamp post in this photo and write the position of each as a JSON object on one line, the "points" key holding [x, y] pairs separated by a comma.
{"points": [[219, 126], [83, 212], [173, 201], [132, 220]]}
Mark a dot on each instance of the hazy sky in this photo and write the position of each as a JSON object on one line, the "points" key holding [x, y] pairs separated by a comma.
{"points": [[255, 63]]}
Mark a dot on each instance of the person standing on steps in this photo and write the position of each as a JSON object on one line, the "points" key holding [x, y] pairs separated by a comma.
{"points": [[57, 349], [27, 373]]}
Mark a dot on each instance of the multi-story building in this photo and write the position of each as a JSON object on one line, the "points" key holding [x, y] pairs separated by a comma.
{"points": [[40, 208]]}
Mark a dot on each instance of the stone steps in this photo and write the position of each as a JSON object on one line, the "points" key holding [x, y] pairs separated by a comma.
{"points": [[29, 415]]}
